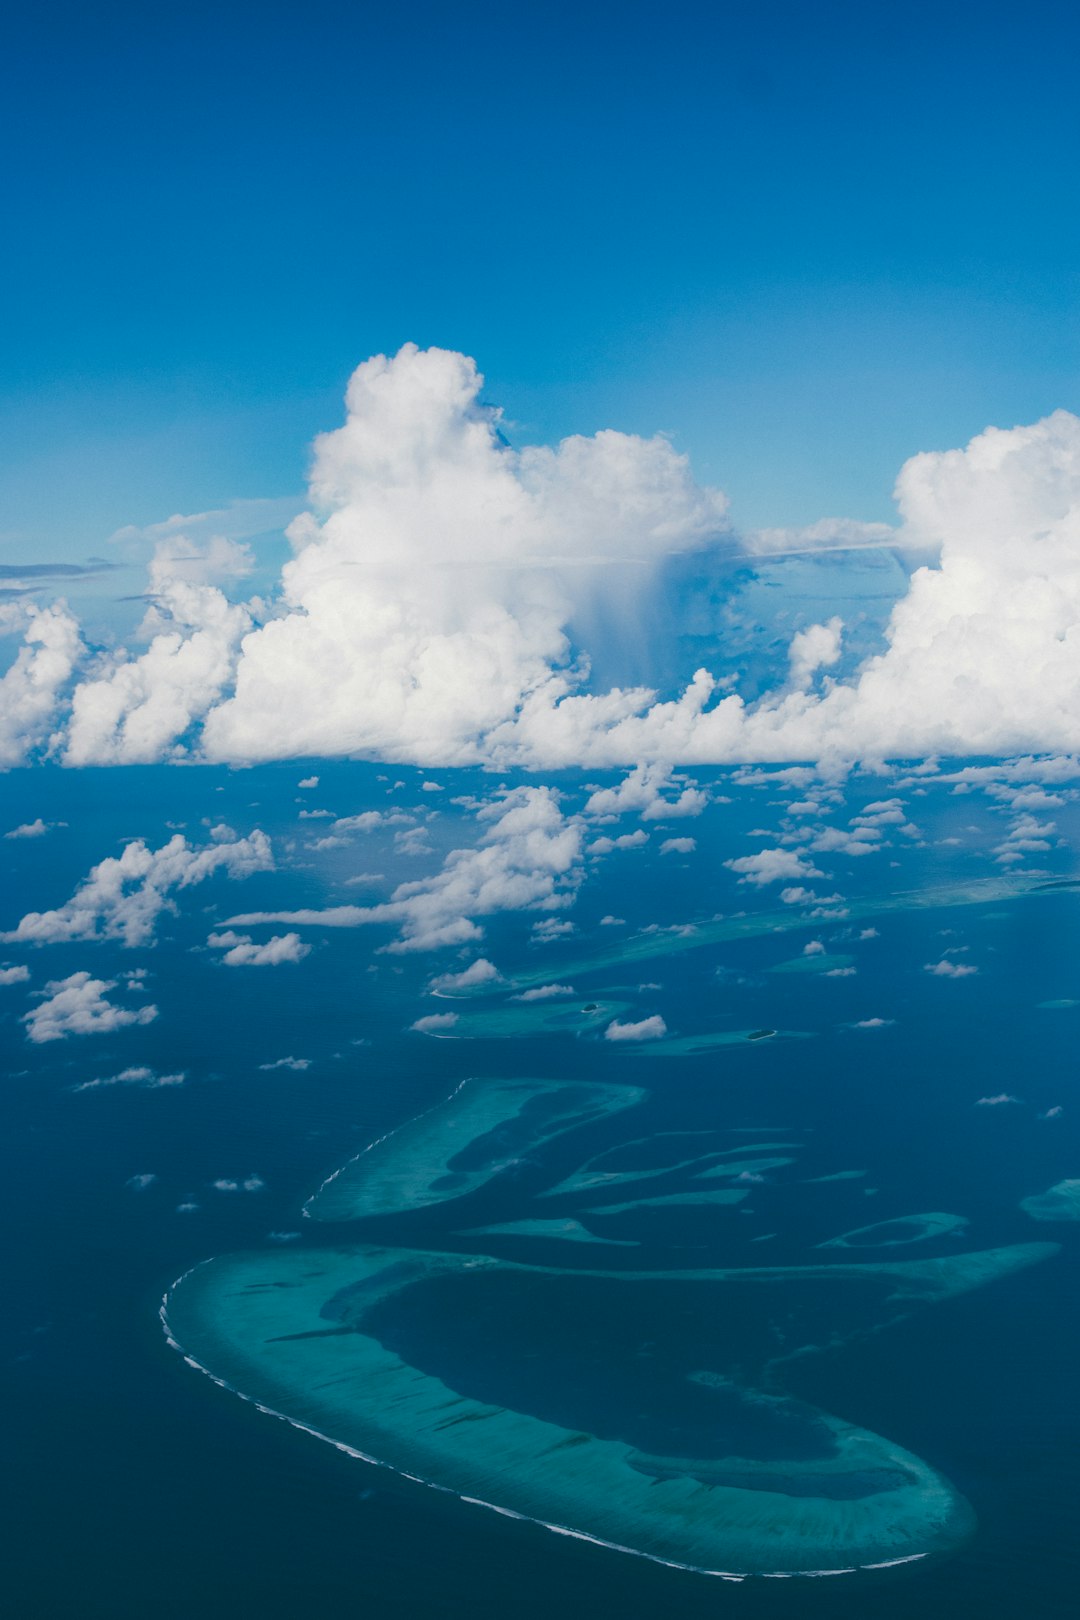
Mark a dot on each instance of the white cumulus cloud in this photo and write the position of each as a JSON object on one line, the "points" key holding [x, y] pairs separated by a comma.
{"points": [[528, 858], [771, 865], [435, 1023], [139, 1076], [32, 689], [433, 578], [79, 1005], [123, 896], [240, 950], [34, 829], [647, 1029], [642, 791], [477, 973], [947, 969], [137, 710]]}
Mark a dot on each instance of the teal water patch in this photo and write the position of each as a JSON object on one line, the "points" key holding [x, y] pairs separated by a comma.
{"points": [[1059, 1203], [656, 942], [683, 1200], [746, 1167], [661, 1155], [815, 962], [899, 1231], [837, 1175], [564, 1231], [709, 1041], [642, 1158], [484, 1128], [517, 1020], [431, 1364]]}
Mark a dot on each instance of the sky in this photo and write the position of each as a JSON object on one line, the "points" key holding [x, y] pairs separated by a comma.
{"points": [[806, 242], [546, 388]]}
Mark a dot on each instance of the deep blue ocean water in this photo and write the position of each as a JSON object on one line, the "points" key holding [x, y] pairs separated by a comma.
{"points": [[137, 1486]]}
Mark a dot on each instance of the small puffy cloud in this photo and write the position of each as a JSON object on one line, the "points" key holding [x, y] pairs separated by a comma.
{"points": [[678, 846], [123, 896], [948, 969], [368, 820], [814, 947], [248, 1184], [477, 973], [642, 792], [873, 1023], [612, 922], [817, 647], [435, 1023], [998, 1101], [550, 928], [1053, 1113], [1026, 836], [413, 841], [14, 975], [882, 813], [544, 992], [528, 858], [79, 1005], [141, 1076], [771, 865], [830, 840], [308, 782], [242, 951], [140, 1183], [647, 1029], [298, 1065], [34, 829], [604, 846]]}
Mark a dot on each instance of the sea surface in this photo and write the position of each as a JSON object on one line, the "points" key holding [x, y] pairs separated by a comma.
{"points": [[136, 1486]]}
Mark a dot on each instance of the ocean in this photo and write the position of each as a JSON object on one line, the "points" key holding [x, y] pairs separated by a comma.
{"points": [[138, 1485]]}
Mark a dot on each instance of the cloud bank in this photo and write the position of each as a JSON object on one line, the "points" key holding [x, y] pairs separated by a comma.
{"points": [[425, 613]]}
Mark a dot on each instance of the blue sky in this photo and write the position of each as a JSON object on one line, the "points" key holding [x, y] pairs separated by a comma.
{"points": [[807, 241]]}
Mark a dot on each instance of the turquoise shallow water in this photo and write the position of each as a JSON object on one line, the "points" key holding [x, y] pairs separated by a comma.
{"points": [[164, 1491], [688, 1469]]}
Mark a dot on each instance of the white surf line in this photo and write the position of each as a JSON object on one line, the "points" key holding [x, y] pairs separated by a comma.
{"points": [[493, 1507], [305, 1211]]}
